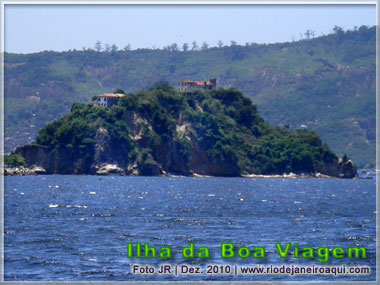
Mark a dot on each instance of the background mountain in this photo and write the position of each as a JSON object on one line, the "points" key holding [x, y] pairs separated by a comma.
{"points": [[327, 84]]}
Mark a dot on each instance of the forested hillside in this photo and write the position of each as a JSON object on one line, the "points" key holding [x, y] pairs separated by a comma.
{"points": [[163, 131], [326, 83]]}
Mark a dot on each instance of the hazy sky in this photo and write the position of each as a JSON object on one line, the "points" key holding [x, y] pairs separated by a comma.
{"points": [[33, 28]]}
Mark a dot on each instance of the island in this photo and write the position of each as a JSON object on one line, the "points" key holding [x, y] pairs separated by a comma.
{"points": [[166, 131]]}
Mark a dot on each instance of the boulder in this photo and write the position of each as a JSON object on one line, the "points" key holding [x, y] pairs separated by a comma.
{"points": [[109, 169], [347, 169], [38, 169], [20, 171], [151, 168], [320, 175]]}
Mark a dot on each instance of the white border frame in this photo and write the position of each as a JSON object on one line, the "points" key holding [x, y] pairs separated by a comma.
{"points": [[183, 2]]}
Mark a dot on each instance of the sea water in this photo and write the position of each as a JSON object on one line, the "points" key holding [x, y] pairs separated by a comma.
{"points": [[64, 227]]}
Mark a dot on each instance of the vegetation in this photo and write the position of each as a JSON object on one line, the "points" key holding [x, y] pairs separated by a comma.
{"points": [[14, 160], [223, 123], [76, 133], [326, 83]]}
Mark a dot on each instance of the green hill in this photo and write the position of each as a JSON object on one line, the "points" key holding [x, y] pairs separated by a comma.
{"points": [[327, 84], [217, 132]]}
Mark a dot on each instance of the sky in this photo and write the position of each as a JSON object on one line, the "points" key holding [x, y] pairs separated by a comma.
{"points": [[34, 28]]}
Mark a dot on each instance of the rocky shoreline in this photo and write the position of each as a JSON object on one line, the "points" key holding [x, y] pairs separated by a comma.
{"points": [[39, 161], [23, 171], [114, 170]]}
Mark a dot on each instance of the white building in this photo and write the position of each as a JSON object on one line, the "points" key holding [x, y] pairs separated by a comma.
{"points": [[108, 99]]}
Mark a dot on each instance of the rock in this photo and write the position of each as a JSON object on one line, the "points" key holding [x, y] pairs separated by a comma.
{"points": [[52, 161], [201, 164], [133, 170], [109, 169], [21, 171], [338, 167], [347, 169], [33, 154], [169, 158], [150, 168], [38, 169], [320, 175], [291, 175]]}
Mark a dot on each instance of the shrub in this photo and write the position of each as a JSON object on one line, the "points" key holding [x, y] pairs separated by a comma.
{"points": [[14, 160]]}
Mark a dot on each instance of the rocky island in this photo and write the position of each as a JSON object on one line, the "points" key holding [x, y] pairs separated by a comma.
{"points": [[166, 132]]}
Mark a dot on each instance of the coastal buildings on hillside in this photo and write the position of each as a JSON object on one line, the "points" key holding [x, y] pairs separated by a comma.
{"points": [[108, 99], [187, 85]]}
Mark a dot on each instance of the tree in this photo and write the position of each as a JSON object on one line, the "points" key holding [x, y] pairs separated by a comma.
{"points": [[114, 48], [307, 34], [119, 91], [185, 47], [107, 48], [162, 85], [204, 46], [174, 47], [220, 44], [337, 29], [339, 32], [195, 46], [98, 46], [127, 47], [14, 160]]}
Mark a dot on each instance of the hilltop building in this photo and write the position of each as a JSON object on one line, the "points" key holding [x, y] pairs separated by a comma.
{"points": [[108, 99], [187, 85]]}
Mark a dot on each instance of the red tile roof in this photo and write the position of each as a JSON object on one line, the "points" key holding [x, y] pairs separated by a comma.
{"points": [[197, 83], [110, 95]]}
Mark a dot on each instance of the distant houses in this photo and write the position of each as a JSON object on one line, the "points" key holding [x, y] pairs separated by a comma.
{"points": [[187, 85], [108, 99]]}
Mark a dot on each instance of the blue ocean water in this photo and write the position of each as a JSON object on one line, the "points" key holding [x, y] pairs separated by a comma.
{"points": [[77, 227]]}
